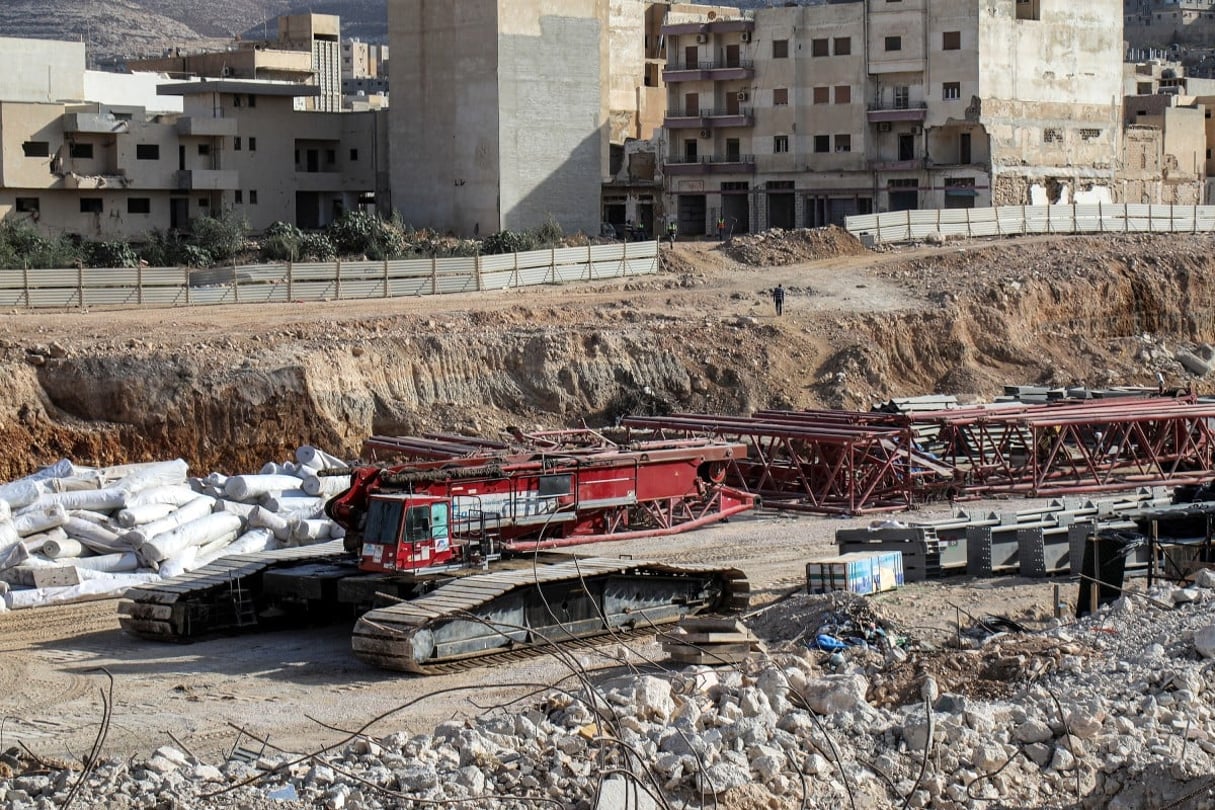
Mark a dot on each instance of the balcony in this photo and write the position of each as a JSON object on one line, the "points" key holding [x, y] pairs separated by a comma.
{"points": [[709, 164], [910, 112], [711, 118], [725, 26], [96, 123], [198, 126], [914, 164], [718, 71], [208, 180], [114, 179]]}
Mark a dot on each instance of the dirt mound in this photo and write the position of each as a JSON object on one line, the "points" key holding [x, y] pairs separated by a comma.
{"points": [[778, 247]]}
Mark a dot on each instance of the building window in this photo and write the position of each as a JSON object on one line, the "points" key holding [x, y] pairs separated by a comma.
{"points": [[330, 157], [238, 197], [147, 151], [843, 46], [354, 155], [822, 95], [780, 143], [1208, 157], [90, 205], [236, 143], [780, 97], [36, 149], [1090, 134], [139, 205], [252, 196], [236, 101], [951, 41], [819, 47], [843, 143], [951, 91], [780, 49], [902, 98], [204, 149], [203, 202], [894, 43], [31, 205], [1052, 135], [843, 94], [822, 143], [252, 100], [81, 151], [252, 144]]}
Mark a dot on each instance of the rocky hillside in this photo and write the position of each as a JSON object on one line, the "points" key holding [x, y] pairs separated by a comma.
{"points": [[114, 29]]}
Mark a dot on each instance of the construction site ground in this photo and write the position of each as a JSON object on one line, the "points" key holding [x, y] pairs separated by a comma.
{"points": [[230, 388]]}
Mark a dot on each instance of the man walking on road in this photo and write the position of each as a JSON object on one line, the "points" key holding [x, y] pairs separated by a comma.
{"points": [[778, 298]]}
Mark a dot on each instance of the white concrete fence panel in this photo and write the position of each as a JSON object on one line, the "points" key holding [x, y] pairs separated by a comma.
{"points": [[1013, 220], [320, 281]]}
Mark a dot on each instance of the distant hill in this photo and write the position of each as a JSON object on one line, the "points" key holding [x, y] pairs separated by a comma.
{"points": [[114, 29]]}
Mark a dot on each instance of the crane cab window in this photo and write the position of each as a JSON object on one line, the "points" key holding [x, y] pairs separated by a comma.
{"points": [[553, 485], [383, 522], [417, 524]]}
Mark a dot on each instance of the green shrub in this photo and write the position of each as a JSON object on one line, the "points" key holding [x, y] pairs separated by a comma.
{"points": [[316, 247], [110, 254], [223, 238]]}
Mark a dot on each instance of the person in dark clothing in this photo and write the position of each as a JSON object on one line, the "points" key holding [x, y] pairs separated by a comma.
{"points": [[778, 298]]}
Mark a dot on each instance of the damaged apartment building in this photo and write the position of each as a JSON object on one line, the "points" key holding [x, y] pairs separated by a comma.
{"points": [[801, 115]]}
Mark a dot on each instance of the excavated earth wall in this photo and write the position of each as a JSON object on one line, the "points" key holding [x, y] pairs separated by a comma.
{"points": [[967, 320]]}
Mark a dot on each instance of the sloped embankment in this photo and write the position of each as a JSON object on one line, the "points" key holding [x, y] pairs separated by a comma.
{"points": [[1072, 311]]}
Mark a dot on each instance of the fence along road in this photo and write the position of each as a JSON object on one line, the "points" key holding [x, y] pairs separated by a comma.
{"points": [[320, 281], [1012, 220]]}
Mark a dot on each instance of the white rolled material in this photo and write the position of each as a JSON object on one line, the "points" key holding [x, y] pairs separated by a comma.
{"points": [[195, 533], [179, 563], [144, 513], [94, 537], [248, 543], [176, 495], [310, 456], [274, 468], [25, 491], [97, 518], [111, 585], [326, 486], [65, 548], [306, 532], [34, 542], [266, 519], [193, 510], [96, 500], [249, 487], [301, 505], [13, 555], [76, 483], [132, 478], [36, 521], [105, 563], [6, 511], [235, 507], [216, 480]]}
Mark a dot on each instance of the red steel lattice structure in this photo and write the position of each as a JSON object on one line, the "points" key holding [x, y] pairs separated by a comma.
{"points": [[852, 462]]}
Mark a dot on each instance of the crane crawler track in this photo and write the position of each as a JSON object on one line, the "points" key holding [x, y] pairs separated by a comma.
{"points": [[218, 597], [509, 615]]}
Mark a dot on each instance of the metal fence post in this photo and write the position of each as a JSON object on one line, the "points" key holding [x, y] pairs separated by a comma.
{"points": [[552, 263], [185, 274], [25, 278], [139, 282], [290, 281], [434, 275], [477, 270], [386, 278], [235, 285], [80, 282], [337, 277], [515, 272]]}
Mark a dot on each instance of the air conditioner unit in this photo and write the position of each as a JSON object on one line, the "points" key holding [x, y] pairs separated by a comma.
{"points": [[883, 126], [704, 134], [743, 95], [745, 36], [702, 38]]}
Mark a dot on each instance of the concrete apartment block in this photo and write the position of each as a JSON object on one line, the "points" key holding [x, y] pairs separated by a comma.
{"points": [[499, 115], [799, 116]]}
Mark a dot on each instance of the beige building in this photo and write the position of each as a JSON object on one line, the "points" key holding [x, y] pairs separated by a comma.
{"points": [[799, 116], [504, 112], [110, 171]]}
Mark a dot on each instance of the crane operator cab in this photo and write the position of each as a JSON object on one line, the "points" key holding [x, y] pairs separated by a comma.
{"points": [[406, 532]]}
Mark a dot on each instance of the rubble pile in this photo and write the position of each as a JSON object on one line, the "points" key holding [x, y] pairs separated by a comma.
{"points": [[69, 533], [1126, 727], [777, 247]]}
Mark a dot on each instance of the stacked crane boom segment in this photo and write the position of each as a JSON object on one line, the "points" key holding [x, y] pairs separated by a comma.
{"points": [[853, 462]]}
